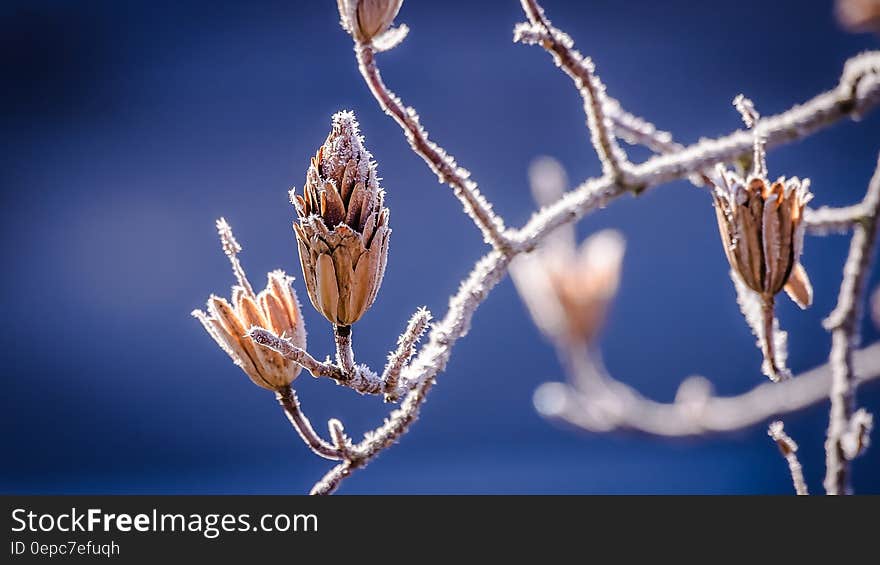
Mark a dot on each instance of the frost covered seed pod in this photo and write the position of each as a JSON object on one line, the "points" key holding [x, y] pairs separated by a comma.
{"points": [[762, 230], [366, 19], [761, 226], [342, 229], [276, 309], [761, 223]]}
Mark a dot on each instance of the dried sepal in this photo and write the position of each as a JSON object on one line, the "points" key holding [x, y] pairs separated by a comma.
{"points": [[342, 228], [276, 308], [367, 20]]}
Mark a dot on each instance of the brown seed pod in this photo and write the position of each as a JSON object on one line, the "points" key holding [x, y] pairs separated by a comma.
{"points": [[761, 226], [342, 229], [276, 308]]}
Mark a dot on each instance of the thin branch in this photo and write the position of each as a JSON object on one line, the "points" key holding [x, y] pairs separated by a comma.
{"points": [[330, 482], [286, 348], [430, 361], [788, 448], [287, 398], [444, 165], [340, 441], [582, 71], [232, 248], [360, 378], [825, 220], [844, 324], [696, 411], [796, 123], [406, 348]]}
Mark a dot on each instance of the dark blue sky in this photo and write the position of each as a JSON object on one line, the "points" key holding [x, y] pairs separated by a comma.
{"points": [[130, 127]]}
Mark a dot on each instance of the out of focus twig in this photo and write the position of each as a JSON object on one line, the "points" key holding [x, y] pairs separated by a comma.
{"points": [[789, 448]]}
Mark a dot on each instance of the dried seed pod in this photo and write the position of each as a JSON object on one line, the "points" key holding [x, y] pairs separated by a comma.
{"points": [[342, 229], [761, 226], [367, 19], [276, 308], [568, 291], [762, 230]]}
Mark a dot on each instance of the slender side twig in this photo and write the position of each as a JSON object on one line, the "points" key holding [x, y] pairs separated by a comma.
{"points": [[406, 348], [340, 441], [843, 323], [825, 220], [285, 347], [360, 379], [582, 71], [287, 399], [788, 448], [696, 411], [232, 248], [444, 165]]}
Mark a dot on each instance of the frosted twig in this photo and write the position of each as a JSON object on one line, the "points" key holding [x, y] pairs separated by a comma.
{"points": [[360, 378], [287, 398], [430, 361], [789, 448], [444, 165], [231, 248], [340, 440], [344, 352], [638, 131], [771, 340], [284, 346], [696, 411], [374, 442], [750, 117], [582, 71], [798, 122], [406, 348], [844, 323], [825, 220]]}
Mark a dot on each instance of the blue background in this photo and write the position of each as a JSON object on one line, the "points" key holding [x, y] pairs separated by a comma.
{"points": [[129, 127]]}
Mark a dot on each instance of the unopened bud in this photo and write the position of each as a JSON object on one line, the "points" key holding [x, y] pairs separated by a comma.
{"points": [[342, 229]]}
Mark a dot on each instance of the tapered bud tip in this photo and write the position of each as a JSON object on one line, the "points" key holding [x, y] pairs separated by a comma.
{"points": [[343, 144], [345, 124]]}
